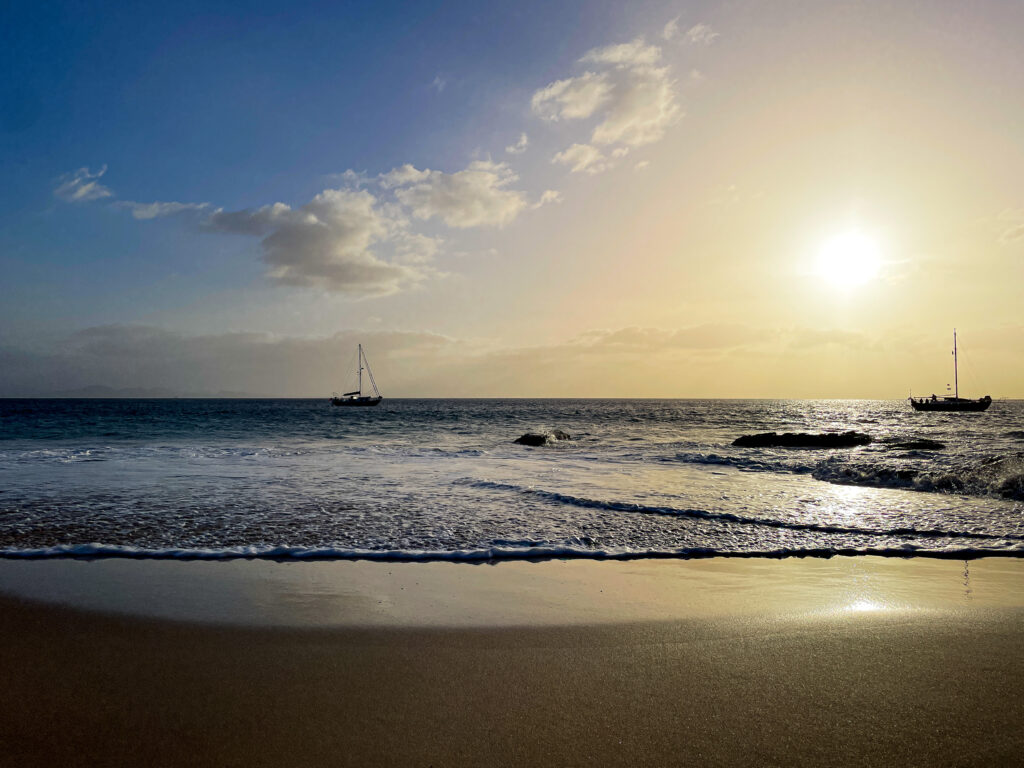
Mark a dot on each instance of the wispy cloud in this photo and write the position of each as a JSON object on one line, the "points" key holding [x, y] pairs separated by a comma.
{"points": [[582, 158], [671, 30], [632, 54], [1011, 222], [156, 210], [549, 196], [707, 336], [632, 96], [572, 98], [701, 34], [478, 196], [520, 146], [641, 110], [1011, 234], [438, 83], [82, 186]]}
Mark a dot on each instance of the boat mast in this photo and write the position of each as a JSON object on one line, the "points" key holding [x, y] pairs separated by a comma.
{"points": [[361, 370], [956, 382]]}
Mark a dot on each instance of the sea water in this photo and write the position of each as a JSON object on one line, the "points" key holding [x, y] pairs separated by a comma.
{"points": [[443, 479]]}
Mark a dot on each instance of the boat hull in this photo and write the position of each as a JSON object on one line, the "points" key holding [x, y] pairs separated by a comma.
{"points": [[355, 402], [952, 404]]}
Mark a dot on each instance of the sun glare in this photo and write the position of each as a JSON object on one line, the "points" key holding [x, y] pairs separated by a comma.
{"points": [[849, 259]]}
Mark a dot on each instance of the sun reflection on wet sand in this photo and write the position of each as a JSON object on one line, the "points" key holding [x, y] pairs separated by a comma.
{"points": [[863, 605]]}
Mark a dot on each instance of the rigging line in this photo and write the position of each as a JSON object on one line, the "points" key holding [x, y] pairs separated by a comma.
{"points": [[376, 391]]}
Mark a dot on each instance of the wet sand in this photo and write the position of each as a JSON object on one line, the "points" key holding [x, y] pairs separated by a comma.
{"points": [[835, 662]]}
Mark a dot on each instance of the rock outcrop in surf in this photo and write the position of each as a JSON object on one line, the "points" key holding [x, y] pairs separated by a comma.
{"points": [[918, 444], [803, 440], [537, 439]]}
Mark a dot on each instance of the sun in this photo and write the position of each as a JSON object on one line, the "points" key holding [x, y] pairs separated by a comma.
{"points": [[849, 259]]}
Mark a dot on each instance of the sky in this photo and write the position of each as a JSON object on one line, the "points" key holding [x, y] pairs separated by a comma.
{"points": [[538, 199]]}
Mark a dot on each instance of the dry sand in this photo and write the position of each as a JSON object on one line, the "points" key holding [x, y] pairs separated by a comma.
{"points": [[839, 662]]}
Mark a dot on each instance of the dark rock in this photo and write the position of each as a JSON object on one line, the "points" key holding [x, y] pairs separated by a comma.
{"points": [[803, 440], [919, 444], [534, 439]]}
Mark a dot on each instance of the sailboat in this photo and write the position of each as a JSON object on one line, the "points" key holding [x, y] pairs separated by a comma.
{"points": [[358, 398], [954, 403]]}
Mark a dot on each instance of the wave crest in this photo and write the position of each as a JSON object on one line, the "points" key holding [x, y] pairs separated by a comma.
{"points": [[729, 517]]}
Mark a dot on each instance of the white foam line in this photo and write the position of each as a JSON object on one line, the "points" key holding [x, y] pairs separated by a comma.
{"points": [[96, 550]]}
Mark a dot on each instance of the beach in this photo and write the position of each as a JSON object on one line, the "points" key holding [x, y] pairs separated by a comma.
{"points": [[841, 661]]}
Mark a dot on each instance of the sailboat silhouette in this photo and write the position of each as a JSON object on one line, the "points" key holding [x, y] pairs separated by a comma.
{"points": [[357, 397], [954, 403]]}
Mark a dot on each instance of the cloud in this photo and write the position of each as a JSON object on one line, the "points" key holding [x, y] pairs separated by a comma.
{"points": [[438, 83], [641, 110], [519, 147], [351, 240], [701, 34], [1011, 234], [129, 358], [401, 176], [411, 248], [671, 30], [701, 337], [573, 98], [1012, 223], [641, 165], [336, 242], [634, 98], [475, 197], [257, 222], [634, 53], [582, 158], [155, 210], [549, 196], [82, 186], [708, 360]]}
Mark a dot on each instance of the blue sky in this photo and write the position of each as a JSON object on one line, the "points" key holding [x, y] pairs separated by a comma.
{"points": [[613, 184], [238, 105]]}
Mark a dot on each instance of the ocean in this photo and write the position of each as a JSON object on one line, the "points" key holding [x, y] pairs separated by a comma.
{"points": [[443, 479]]}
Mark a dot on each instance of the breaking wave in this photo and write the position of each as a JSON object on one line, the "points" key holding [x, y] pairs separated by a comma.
{"points": [[993, 476], [729, 517], [999, 477]]}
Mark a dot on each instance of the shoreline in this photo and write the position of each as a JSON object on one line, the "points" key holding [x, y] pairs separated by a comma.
{"points": [[493, 555], [858, 661], [503, 592]]}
